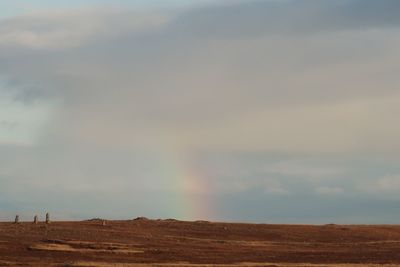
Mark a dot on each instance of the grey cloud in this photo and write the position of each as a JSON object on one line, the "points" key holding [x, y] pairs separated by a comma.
{"points": [[58, 30], [8, 124], [306, 209], [132, 81], [268, 107], [141, 61], [255, 18]]}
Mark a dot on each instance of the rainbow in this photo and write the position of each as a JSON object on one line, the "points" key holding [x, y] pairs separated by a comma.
{"points": [[191, 190]]}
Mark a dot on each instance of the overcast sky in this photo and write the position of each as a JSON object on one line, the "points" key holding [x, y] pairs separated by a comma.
{"points": [[262, 111]]}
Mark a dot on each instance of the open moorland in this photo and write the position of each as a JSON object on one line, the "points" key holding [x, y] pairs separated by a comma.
{"points": [[142, 242]]}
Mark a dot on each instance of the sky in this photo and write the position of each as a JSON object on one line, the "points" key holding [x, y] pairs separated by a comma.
{"points": [[11, 8], [274, 111]]}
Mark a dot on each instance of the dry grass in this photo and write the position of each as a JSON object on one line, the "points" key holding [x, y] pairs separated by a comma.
{"points": [[84, 247], [100, 264], [176, 243]]}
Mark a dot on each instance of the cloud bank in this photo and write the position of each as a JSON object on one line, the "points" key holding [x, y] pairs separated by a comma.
{"points": [[244, 103]]}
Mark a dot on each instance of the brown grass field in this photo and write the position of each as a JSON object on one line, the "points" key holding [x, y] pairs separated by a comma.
{"points": [[145, 242]]}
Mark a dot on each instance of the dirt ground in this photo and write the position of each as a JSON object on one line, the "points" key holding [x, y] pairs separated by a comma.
{"points": [[144, 242]]}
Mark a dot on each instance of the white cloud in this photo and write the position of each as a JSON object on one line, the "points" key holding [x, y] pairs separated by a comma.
{"points": [[69, 29], [303, 168], [276, 189], [329, 191], [386, 185], [389, 184]]}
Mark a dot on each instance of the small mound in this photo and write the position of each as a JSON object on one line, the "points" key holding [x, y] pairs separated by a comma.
{"points": [[141, 219], [95, 220], [202, 222], [171, 220]]}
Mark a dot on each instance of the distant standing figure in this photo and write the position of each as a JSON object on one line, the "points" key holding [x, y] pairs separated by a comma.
{"points": [[35, 219], [16, 219], [103, 223], [47, 218]]}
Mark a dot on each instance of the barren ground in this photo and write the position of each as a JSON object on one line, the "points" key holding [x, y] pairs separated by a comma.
{"points": [[177, 243]]}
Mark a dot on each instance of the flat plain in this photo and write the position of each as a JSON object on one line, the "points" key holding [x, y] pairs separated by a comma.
{"points": [[143, 242]]}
